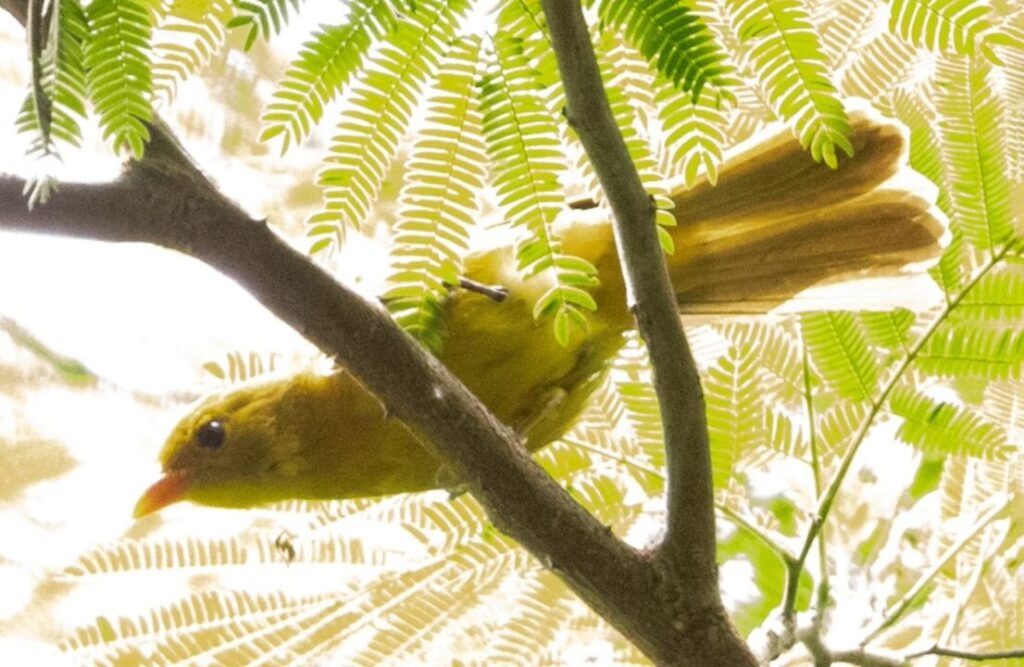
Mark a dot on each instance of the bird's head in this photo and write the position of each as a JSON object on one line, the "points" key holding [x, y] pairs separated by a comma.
{"points": [[237, 449]]}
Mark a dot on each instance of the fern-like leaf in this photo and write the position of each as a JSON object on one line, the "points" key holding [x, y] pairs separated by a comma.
{"points": [[263, 18], [973, 154], [884, 63], [837, 425], [188, 35], [948, 272], [674, 39], [778, 355], [522, 141], [120, 80], [735, 420], [641, 409], [888, 329], [839, 349], [323, 67], [845, 28], [56, 103], [974, 349], [628, 109], [437, 205], [944, 428], [222, 627], [940, 25], [383, 98], [998, 295], [792, 68], [694, 133], [925, 155]]}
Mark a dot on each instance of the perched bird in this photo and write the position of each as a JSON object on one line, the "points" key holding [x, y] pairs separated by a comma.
{"points": [[775, 223]]}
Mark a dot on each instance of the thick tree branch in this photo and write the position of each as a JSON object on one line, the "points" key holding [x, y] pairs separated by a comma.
{"points": [[160, 202], [689, 548], [164, 199]]}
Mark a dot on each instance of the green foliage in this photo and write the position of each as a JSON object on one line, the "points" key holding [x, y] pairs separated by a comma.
{"points": [[944, 428], [948, 272], [119, 75], [238, 368], [940, 25], [974, 349], [438, 200], [618, 70], [792, 69], [769, 577], [838, 424], [838, 347], [694, 133], [187, 36], [263, 18], [734, 415], [888, 329], [675, 41], [522, 141], [972, 151], [323, 67], [56, 102], [383, 100], [998, 296], [880, 65], [640, 408]]}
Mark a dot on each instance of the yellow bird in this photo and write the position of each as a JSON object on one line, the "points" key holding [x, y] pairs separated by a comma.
{"points": [[775, 224]]}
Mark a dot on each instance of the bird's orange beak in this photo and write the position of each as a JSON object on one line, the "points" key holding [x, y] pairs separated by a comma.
{"points": [[168, 490]]}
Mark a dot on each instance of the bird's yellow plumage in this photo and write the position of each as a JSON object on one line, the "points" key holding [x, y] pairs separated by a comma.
{"points": [[775, 223]]}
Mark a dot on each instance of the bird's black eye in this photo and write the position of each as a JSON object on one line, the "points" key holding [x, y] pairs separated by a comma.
{"points": [[211, 434]]}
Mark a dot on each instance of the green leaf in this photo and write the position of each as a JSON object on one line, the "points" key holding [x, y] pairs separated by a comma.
{"points": [[974, 349], [674, 40], [997, 296], [323, 67], [940, 25], [943, 428], [188, 35], [837, 425], [948, 272], [522, 140], [972, 147], [437, 205], [735, 419], [791, 67], [695, 133], [888, 329], [769, 577], [838, 347], [119, 79], [383, 100], [52, 110], [264, 18]]}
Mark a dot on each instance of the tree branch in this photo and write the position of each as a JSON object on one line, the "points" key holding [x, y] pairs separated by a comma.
{"points": [[977, 656], [165, 199], [689, 548]]}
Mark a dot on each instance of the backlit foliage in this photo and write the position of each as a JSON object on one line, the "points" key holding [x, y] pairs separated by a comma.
{"points": [[797, 405]]}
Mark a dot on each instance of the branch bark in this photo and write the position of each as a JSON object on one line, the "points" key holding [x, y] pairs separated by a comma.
{"points": [[165, 199], [689, 548]]}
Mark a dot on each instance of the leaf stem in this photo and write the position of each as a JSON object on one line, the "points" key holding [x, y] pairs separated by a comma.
{"points": [[826, 501], [896, 610]]}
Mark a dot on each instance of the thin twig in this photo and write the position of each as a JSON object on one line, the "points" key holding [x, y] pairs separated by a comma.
{"points": [[832, 491], [968, 655]]}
